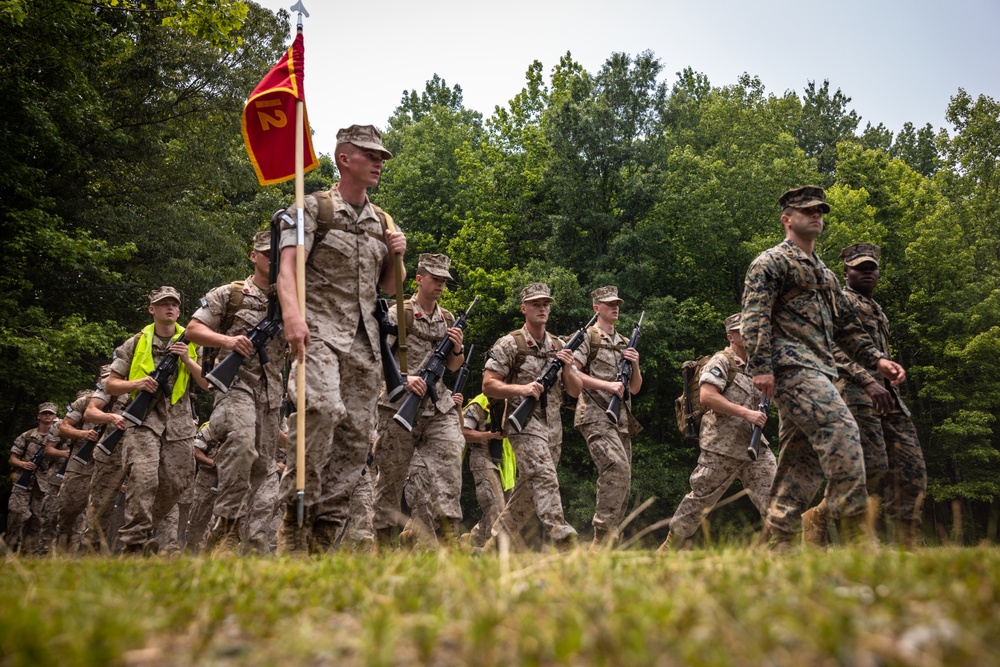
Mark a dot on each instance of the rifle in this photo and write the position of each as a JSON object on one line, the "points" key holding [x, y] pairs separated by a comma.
{"points": [[522, 415], [495, 445], [463, 373], [86, 451], [625, 375], [26, 477], [690, 428], [139, 407], [61, 473], [394, 385], [224, 374], [755, 436], [408, 412], [120, 498]]}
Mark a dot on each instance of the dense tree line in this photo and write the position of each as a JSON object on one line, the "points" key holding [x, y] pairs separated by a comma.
{"points": [[123, 168]]}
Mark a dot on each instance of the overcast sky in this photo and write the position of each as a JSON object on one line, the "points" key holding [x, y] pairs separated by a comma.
{"points": [[898, 60]]}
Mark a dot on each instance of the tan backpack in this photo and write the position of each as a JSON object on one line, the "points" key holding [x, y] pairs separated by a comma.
{"points": [[687, 407]]}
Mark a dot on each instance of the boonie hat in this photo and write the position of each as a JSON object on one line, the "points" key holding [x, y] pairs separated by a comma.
{"points": [[804, 197], [165, 292], [536, 291], [606, 294], [733, 322], [435, 264], [859, 253], [47, 407], [363, 136]]}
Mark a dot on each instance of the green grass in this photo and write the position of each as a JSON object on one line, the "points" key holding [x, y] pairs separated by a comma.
{"points": [[936, 606]]}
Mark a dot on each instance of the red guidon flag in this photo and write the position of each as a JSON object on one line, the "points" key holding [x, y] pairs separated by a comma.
{"points": [[269, 120]]}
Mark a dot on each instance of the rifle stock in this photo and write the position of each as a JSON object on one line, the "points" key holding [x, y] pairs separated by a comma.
{"points": [[522, 414]]}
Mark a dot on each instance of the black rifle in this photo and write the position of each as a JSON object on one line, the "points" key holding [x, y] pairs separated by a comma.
{"points": [[120, 498], [61, 473], [224, 374], [27, 476], [625, 375], [139, 407], [409, 411], [86, 451], [755, 436], [522, 415], [463, 373], [496, 408], [394, 385]]}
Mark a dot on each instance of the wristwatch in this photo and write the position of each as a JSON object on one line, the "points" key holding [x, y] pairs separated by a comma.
{"points": [[459, 352]]}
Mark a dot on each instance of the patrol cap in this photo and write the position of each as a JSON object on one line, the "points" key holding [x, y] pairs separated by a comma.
{"points": [[435, 264], [536, 291], [859, 253], [47, 407], [262, 241], [607, 294], [363, 136], [165, 292], [804, 197], [733, 322]]}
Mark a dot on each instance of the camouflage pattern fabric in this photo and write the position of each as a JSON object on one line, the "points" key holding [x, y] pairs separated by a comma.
{"points": [[485, 475], [906, 480], [75, 489], [25, 508]]}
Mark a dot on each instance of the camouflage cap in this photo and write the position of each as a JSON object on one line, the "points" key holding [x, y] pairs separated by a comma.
{"points": [[262, 241], [606, 294], [804, 197], [165, 292], [859, 253], [363, 136], [435, 264], [536, 291], [733, 322], [47, 407]]}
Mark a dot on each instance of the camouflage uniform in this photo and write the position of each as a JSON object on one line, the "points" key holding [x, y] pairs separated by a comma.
{"points": [[539, 445], [205, 486], [24, 510], [610, 445], [51, 483], [723, 440], [437, 436], [158, 454], [259, 526], [342, 383], [245, 418], [892, 436], [359, 532], [794, 312], [106, 481], [485, 474], [75, 489]]}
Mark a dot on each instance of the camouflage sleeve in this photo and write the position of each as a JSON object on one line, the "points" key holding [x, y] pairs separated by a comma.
{"points": [[849, 370], [851, 336], [289, 235], [213, 307], [474, 417], [19, 446], [582, 353], [760, 291], [501, 357], [715, 372], [122, 361]]}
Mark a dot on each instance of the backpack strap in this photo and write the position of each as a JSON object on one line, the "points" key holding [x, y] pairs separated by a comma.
{"points": [[524, 351], [803, 282], [325, 221]]}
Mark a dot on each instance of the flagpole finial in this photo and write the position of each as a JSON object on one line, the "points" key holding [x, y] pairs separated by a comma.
{"points": [[300, 8]]}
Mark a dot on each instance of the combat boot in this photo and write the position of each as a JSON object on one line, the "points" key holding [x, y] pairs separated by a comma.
{"points": [[293, 539], [225, 537], [673, 543], [816, 526], [604, 538], [854, 530], [324, 537], [564, 538]]}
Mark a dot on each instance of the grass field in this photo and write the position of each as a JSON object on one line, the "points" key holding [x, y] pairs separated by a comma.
{"points": [[937, 606]]}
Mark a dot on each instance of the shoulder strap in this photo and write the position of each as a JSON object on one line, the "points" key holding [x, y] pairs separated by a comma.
{"points": [[236, 299], [325, 221]]}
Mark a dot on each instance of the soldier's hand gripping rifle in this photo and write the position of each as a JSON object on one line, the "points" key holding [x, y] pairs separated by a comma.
{"points": [[625, 375], [224, 374], [409, 411], [522, 414], [139, 407], [394, 385], [86, 451], [754, 449], [27, 476]]}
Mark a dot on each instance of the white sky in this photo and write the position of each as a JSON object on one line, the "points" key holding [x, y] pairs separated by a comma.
{"points": [[899, 60]]}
